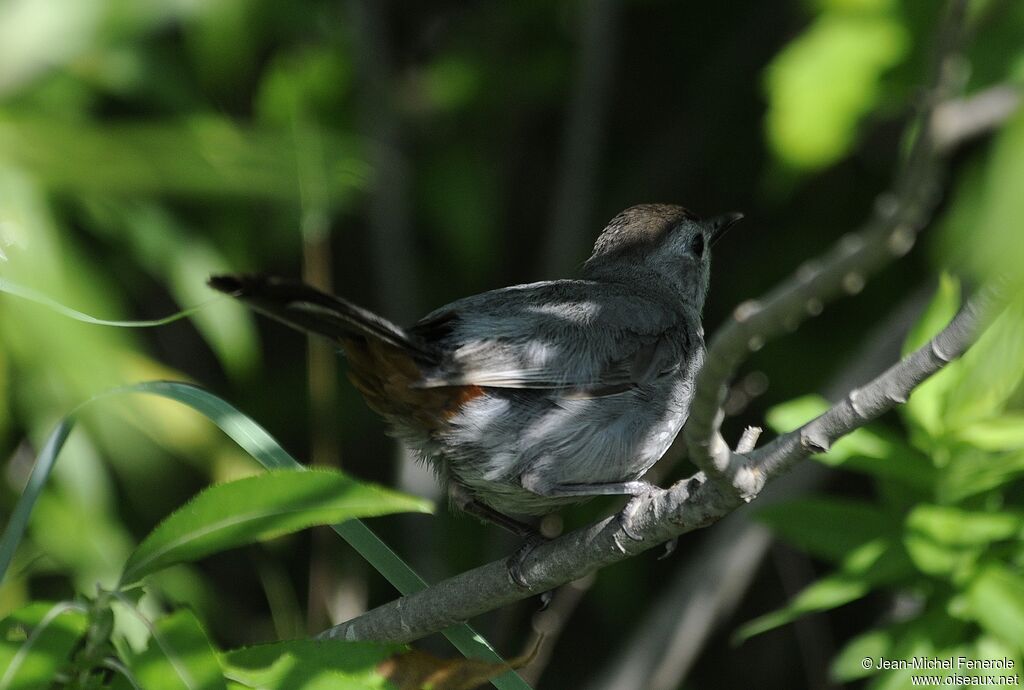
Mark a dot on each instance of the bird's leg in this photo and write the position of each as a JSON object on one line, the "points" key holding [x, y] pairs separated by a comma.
{"points": [[509, 524], [635, 488], [532, 536], [467, 504], [532, 482]]}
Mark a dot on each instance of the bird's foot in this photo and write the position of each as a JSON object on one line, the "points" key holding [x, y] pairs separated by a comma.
{"points": [[627, 516]]}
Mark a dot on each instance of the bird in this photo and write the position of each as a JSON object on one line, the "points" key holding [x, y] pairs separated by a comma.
{"points": [[530, 397]]}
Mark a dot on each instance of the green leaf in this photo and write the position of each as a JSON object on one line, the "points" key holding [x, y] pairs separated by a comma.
{"points": [[794, 413], [824, 81], [848, 665], [179, 657], [310, 665], [868, 450], [874, 563], [986, 235], [827, 593], [996, 601], [828, 528], [959, 527], [948, 541], [936, 316], [257, 508], [1005, 432], [971, 471], [36, 642], [993, 370], [933, 633]]}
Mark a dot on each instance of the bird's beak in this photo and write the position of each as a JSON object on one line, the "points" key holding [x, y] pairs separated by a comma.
{"points": [[721, 224]]}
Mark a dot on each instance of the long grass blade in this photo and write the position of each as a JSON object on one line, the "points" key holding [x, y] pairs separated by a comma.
{"points": [[31, 295], [15, 529], [255, 440]]}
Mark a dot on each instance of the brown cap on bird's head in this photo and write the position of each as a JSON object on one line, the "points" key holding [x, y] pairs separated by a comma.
{"points": [[645, 225], [639, 226]]}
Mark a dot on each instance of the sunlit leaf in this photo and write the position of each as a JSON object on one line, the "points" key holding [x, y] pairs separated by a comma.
{"points": [[36, 641], [878, 562], [823, 82], [996, 369], [972, 471], [1005, 432], [257, 508], [985, 235], [827, 593], [868, 449], [339, 665], [179, 656], [948, 541], [167, 249], [939, 312], [848, 664], [310, 664], [996, 599], [308, 84]]}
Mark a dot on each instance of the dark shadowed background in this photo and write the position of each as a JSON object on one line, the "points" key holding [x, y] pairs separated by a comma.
{"points": [[408, 153]]}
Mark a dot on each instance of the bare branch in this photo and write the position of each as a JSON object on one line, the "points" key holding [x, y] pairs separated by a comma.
{"points": [[961, 119], [661, 515], [891, 388], [888, 234]]}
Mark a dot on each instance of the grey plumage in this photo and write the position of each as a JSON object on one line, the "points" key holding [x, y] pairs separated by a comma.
{"points": [[532, 396]]}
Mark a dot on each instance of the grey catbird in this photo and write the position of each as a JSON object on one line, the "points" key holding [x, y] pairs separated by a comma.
{"points": [[532, 396]]}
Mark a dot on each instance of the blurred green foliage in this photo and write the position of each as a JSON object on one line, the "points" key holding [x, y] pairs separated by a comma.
{"points": [[146, 144], [947, 539]]}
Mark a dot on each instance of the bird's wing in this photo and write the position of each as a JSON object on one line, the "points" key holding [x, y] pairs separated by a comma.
{"points": [[572, 336]]}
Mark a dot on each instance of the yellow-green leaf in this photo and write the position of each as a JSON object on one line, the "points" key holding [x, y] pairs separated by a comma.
{"points": [[261, 507]]}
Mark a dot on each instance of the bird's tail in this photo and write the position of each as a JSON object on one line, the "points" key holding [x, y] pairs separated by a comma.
{"points": [[304, 307]]}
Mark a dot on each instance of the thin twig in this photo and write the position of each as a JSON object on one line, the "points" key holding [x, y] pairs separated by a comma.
{"points": [[890, 233]]}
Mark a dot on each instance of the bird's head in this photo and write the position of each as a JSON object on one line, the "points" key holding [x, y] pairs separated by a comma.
{"points": [[660, 242]]}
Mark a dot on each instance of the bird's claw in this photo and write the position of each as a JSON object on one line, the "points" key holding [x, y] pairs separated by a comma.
{"points": [[515, 561], [625, 518]]}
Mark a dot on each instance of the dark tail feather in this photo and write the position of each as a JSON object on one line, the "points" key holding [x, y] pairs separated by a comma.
{"points": [[308, 309]]}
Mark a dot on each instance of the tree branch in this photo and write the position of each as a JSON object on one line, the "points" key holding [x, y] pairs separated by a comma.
{"points": [[661, 515], [888, 234]]}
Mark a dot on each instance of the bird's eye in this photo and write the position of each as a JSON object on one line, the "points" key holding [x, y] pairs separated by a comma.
{"points": [[697, 245]]}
